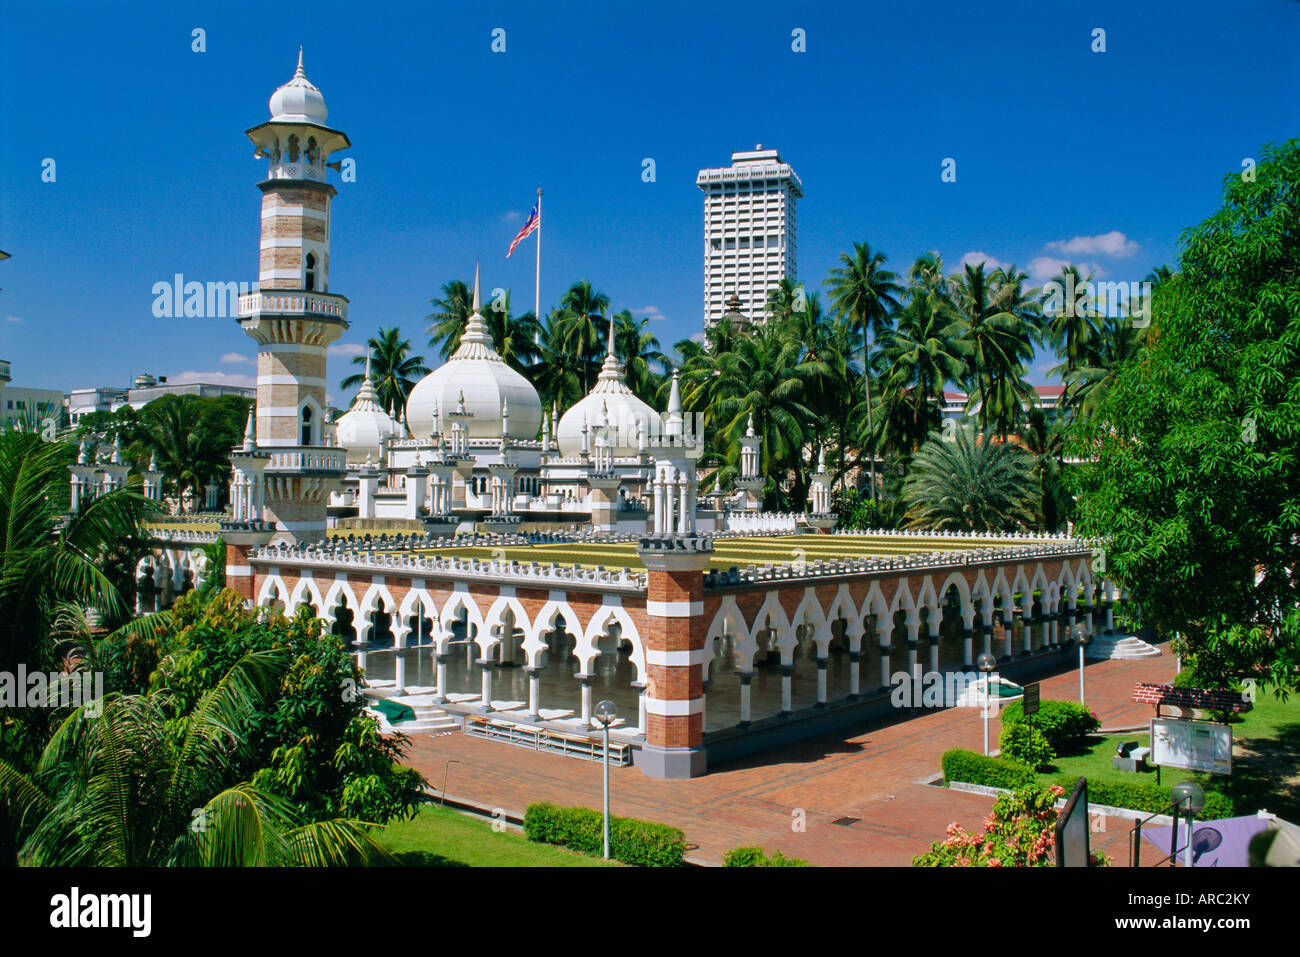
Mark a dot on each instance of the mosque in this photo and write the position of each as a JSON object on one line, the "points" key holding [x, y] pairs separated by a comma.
{"points": [[495, 567]]}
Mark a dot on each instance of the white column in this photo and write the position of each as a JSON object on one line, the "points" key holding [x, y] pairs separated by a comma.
{"points": [[586, 703], [534, 692], [441, 693], [486, 690], [684, 521], [745, 696], [855, 678], [399, 670], [822, 665]]}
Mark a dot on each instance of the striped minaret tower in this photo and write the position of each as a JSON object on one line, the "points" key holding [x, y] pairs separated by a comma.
{"points": [[293, 315]]}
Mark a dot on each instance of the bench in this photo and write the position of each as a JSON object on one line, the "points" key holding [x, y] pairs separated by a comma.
{"points": [[1129, 757]]}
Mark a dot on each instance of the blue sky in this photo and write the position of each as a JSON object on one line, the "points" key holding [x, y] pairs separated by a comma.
{"points": [[1062, 153]]}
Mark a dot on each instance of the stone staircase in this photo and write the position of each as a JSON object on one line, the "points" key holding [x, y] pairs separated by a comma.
{"points": [[429, 718], [1114, 645]]}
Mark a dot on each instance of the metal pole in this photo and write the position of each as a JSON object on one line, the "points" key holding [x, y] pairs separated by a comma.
{"points": [[1187, 852], [1081, 701], [606, 790], [537, 284]]}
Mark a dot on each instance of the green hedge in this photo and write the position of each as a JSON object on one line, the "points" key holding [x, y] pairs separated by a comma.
{"points": [[1147, 797], [631, 841], [1026, 744], [973, 768], [1064, 723], [755, 857]]}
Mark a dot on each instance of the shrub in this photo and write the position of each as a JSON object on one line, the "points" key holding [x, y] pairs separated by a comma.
{"points": [[1148, 797], [631, 841], [1026, 744], [755, 857], [1020, 832], [1065, 724], [973, 768]]}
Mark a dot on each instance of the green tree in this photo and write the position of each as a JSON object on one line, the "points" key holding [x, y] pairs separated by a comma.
{"points": [[638, 349], [967, 481], [866, 293], [580, 330], [451, 311], [1000, 334], [393, 370], [120, 784], [1192, 471]]}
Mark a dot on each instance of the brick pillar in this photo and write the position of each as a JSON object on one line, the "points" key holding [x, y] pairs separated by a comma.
{"points": [[241, 539], [674, 643]]}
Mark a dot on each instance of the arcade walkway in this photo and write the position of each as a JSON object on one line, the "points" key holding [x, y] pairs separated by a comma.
{"points": [[870, 775]]}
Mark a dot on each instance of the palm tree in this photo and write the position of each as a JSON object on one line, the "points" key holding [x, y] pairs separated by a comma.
{"points": [[114, 786], [863, 290], [1046, 443], [580, 329], [970, 482], [393, 370], [1117, 342], [638, 348], [48, 557], [558, 373], [1070, 329], [450, 313], [1000, 335], [923, 353], [1159, 276], [515, 338]]}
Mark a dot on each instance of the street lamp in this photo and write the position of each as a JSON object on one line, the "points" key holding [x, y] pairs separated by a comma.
{"points": [[443, 797], [604, 716], [1190, 794], [1082, 639], [986, 663]]}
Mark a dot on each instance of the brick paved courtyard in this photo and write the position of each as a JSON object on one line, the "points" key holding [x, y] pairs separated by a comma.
{"points": [[872, 775]]}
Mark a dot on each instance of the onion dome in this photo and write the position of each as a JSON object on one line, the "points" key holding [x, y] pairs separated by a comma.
{"points": [[612, 399], [298, 100], [364, 426], [478, 376]]}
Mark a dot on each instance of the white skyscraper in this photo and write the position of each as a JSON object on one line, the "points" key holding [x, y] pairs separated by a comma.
{"points": [[749, 230]]}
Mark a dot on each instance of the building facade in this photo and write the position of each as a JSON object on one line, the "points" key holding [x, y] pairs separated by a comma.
{"points": [[749, 230]]}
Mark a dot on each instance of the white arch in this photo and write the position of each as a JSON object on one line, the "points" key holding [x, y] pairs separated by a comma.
{"points": [[369, 605], [876, 605], [842, 607], [554, 610], [958, 581], [810, 611], [273, 587], [729, 621], [306, 590], [772, 615], [496, 617], [611, 611], [475, 632]]}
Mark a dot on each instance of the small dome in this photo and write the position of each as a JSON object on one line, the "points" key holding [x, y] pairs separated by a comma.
{"points": [[299, 100], [610, 402], [476, 372], [366, 424]]}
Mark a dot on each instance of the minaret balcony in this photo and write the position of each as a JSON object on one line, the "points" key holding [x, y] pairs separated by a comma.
{"points": [[301, 458], [291, 303]]}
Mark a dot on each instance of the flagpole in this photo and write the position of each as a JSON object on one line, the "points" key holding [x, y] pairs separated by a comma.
{"points": [[537, 284]]}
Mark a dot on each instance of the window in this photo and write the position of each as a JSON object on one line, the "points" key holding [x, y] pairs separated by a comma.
{"points": [[306, 426], [310, 282]]}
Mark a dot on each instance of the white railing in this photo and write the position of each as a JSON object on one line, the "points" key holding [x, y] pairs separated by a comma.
{"points": [[292, 303], [307, 458]]}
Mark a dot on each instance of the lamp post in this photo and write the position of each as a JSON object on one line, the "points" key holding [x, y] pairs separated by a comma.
{"points": [[443, 797], [986, 663], [604, 716], [1190, 794], [1082, 639]]}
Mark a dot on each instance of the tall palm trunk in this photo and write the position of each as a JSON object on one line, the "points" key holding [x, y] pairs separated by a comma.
{"points": [[871, 430]]}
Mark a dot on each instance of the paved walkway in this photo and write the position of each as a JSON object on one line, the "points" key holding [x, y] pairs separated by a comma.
{"points": [[872, 776]]}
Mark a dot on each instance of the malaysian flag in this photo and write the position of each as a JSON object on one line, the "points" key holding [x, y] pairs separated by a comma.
{"points": [[533, 222]]}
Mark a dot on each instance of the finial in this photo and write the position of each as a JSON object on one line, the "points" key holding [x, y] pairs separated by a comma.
{"points": [[749, 428], [369, 350], [299, 71], [478, 302], [610, 351]]}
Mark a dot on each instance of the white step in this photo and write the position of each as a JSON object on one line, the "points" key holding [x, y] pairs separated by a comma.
{"points": [[1106, 647]]}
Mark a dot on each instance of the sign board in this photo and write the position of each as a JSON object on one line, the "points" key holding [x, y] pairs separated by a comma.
{"points": [[1030, 702], [1072, 829], [1193, 745]]}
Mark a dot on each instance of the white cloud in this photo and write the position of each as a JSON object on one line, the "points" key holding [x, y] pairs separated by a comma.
{"points": [[13, 318], [1113, 243], [347, 349], [235, 358], [652, 313], [974, 258], [216, 378], [511, 216], [1043, 268], [697, 337]]}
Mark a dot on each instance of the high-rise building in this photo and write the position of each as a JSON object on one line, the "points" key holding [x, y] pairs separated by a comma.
{"points": [[749, 230]]}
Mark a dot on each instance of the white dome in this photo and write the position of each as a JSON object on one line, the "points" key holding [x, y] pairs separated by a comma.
{"points": [[362, 427], [610, 402], [478, 373], [298, 99]]}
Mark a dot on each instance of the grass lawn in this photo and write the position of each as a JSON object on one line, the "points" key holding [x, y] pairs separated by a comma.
{"points": [[441, 837], [1265, 760]]}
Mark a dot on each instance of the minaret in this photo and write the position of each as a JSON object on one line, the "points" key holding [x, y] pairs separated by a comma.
{"points": [[293, 316]]}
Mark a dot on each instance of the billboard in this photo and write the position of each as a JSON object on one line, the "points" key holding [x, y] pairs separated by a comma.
{"points": [[1193, 745]]}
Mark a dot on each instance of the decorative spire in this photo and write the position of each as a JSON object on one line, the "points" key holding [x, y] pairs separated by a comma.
{"points": [[610, 351], [478, 299], [117, 449], [299, 71], [250, 429], [749, 428], [821, 459], [674, 424], [476, 339], [84, 457]]}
